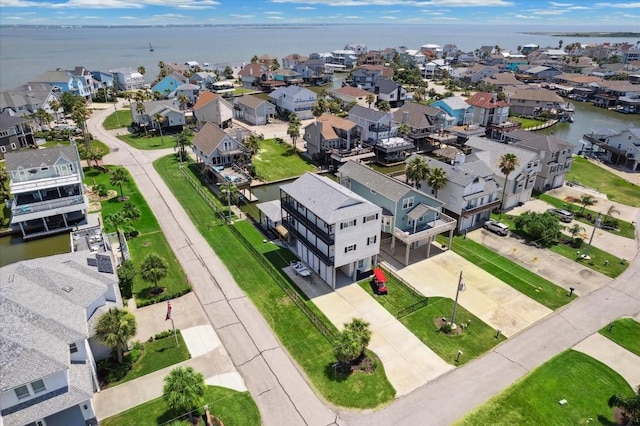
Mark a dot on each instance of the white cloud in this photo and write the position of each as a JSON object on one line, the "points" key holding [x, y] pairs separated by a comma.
{"points": [[389, 17], [526, 17], [275, 17], [92, 17], [306, 8], [168, 16], [273, 13], [631, 5], [127, 17], [550, 12], [555, 4], [353, 17], [16, 18], [236, 15], [112, 4], [417, 3]]}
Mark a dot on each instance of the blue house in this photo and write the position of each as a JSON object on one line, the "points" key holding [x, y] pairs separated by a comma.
{"points": [[457, 107], [169, 84], [408, 215]]}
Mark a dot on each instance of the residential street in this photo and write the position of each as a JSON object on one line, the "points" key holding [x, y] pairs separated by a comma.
{"points": [[281, 391]]}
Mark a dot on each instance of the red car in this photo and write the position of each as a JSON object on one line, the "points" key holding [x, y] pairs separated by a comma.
{"points": [[380, 281]]}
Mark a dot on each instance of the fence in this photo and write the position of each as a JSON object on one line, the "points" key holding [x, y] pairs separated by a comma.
{"points": [[285, 285], [422, 301]]}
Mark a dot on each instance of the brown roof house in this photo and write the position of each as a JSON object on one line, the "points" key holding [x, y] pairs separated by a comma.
{"points": [[330, 132], [253, 110], [213, 147], [213, 108]]}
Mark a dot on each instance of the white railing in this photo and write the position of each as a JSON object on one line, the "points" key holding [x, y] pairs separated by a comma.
{"points": [[47, 205]]}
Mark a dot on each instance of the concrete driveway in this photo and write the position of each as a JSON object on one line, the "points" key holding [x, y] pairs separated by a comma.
{"points": [[494, 302]]}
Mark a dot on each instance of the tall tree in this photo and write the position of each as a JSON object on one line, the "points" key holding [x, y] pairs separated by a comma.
{"points": [[252, 143], [630, 406], [228, 72], [360, 329], [95, 156], [115, 328], [184, 101], [437, 179], [508, 163], [159, 120], [119, 177], [586, 201], [416, 170], [43, 117], [610, 212], [142, 70], [79, 115], [384, 106], [140, 110], [184, 390], [153, 269], [404, 129], [575, 230], [254, 59], [55, 107], [294, 129], [183, 140], [370, 100]]}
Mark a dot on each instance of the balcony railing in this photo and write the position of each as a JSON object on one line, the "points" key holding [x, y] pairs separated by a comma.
{"points": [[329, 260], [320, 232], [17, 210], [471, 210], [444, 224]]}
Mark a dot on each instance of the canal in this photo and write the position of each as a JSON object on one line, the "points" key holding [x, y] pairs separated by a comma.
{"points": [[588, 118], [14, 249]]}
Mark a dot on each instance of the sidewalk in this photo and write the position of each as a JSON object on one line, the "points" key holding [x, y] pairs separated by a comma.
{"points": [[625, 363]]}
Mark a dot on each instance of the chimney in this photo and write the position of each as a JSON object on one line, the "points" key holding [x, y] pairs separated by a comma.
{"points": [[460, 158], [405, 116], [239, 135], [494, 97]]}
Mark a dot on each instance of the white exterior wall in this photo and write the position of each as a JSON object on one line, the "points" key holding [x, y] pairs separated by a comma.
{"points": [[215, 112], [55, 381], [358, 235]]}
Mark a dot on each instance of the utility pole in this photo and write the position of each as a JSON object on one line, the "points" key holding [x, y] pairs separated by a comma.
{"points": [[596, 225], [461, 287]]}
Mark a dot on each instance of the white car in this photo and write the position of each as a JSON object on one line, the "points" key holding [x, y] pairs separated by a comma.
{"points": [[300, 269], [497, 227]]}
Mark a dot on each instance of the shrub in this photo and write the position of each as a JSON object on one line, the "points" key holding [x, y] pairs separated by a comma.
{"points": [[165, 334], [111, 371], [126, 273]]}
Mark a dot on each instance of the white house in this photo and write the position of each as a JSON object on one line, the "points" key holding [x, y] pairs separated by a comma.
{"points": [[521, 181], [128, 78], [47, 190], [50, 307], [213, 108], [619, 147], [294, 99], [214, 147], [330, 228], [488, 109], [167, 108]]}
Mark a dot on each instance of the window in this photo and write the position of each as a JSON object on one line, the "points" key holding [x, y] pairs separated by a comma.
{"points": [[372, 240], [345, 225], [370, 218], [38, 386], [373, 192], [349, 248], [407, 203], [41, 423], [13, 146], [3, 148], [22, 392], [73, 348]]}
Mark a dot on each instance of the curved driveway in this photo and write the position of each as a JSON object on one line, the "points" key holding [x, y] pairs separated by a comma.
{"points": [[281, 390]]}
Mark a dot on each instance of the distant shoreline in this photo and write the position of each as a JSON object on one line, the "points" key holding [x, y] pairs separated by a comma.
{"points": [[586, 34]]}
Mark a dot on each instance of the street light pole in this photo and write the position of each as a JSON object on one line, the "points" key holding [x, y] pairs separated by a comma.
{"points": [[115, 108], [455, 303], [595, 226]]}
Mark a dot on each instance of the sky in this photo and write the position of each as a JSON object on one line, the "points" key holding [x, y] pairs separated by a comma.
{"points": [[611, 14]]}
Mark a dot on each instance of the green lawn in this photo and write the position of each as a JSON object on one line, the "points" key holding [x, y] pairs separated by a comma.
{"points": [[585, 383], [617, 189], [148, 142], [388, 169], [526, 122], [625, 332], [232, 407], [627, 230], [276, 161], [600, 261], [425, 322], [95, 144], [157, 355], [150, 240], [111, 122], [526, 282], [311, 350]]}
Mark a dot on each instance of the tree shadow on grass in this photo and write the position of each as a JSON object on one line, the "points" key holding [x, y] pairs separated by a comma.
{"points": [[335, 373], [603, 420]]}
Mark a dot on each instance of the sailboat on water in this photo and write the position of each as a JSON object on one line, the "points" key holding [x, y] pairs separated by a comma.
{"points": [[150, 48]]}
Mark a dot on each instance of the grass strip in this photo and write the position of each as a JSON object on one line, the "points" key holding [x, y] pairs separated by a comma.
{"points": [[230, 406], [593, 176], [118, 119], [312, 351], [526, 282], [585, 383], [276, 161], [625, 332]]}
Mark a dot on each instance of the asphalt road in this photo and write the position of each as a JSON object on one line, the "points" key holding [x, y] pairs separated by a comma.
{"points": [[281, 391]]}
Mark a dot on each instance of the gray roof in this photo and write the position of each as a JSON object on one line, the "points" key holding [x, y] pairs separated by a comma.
{"points": [[546, 143], [455, 103], [53, 77], [462, 174], [368, 114], [29, 94], [271, 209], [327, 199], [384, 85], [417, 116], [388, 187], [7, 121], [490, 152], [36, 158]]}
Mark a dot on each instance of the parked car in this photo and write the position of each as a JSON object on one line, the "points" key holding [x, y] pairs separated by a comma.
{"points": [[497, 227], [300, 269], [564, 215], [379, 281]]}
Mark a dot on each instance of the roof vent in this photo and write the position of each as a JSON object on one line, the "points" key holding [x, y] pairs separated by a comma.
{"points": [[67, 288]]}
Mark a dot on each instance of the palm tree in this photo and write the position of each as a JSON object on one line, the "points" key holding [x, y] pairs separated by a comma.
{"points": [[139, 96], [508, 163], [370, 100], [437, 179], [153, 269], [611, 211], [127, 97], [184, 101], [131, 212], [417, 169], [252, 143], [575, 230], [348, 347], [227, 72], [43, 117], [159, 119], [294, 130], [95, 156], [55, 107], [183, 139], [184, 390], [384, 106], [119, 177], [360, 328], [115, 328], [140, 110], [586, 201], [142, 70], [630, 406], [404, 129], [79, 115]]}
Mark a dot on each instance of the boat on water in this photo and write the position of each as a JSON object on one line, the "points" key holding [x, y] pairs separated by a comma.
{"points": [[150, 48]]}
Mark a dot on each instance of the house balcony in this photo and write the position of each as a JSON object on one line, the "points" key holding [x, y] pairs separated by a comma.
{"points": [[24, 212], [328, 260], [382, 128], [321, 233], [423, 231], [471, 210], [16, 187]]}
